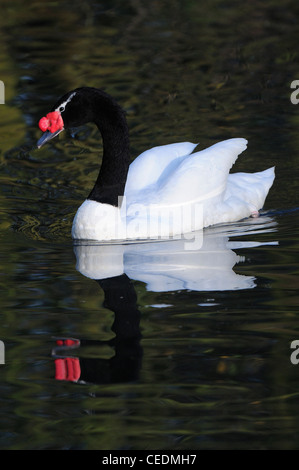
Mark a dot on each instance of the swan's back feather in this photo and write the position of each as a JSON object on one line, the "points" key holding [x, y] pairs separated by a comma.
{"points": [[202, 174], [193, 177], [148, 167]]}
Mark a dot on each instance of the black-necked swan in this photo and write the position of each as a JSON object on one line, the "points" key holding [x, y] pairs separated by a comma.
{"points": [[166, 191]]}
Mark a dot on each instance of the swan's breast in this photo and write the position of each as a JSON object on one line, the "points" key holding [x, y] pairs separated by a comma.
{"points": [[96, 221]]}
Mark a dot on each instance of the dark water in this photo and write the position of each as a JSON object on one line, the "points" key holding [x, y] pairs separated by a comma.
{"points": [[180, 349]]}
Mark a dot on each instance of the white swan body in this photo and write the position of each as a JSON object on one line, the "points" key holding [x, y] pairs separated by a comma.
{"points": [[171, 191], [167, 191]]}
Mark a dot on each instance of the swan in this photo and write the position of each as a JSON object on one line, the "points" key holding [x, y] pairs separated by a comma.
{"points": [[167, 191]]}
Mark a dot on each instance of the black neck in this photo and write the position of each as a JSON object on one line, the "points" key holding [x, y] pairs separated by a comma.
{"points": [[111, 121]]}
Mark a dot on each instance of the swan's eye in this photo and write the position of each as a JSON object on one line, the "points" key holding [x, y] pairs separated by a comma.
{"points": [[61, 109]]}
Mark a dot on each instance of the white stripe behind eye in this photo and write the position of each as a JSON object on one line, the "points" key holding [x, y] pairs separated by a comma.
{"points": [[63, 105]]}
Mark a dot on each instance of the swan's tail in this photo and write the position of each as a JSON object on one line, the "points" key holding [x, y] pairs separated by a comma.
{"points": [[251, 187]]}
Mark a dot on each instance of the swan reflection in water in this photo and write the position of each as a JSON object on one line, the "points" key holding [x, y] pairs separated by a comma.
{"points": [[168, 265]]}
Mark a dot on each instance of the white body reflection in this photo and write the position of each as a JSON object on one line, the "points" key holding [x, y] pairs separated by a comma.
{"points": [[173, 265]]}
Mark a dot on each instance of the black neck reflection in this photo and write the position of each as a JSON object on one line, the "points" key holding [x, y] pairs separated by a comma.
{"points": [[124, 366]]}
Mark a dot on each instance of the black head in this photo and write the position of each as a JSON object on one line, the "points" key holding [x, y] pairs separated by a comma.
{"points": [[84, 105], [73, 109]]}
